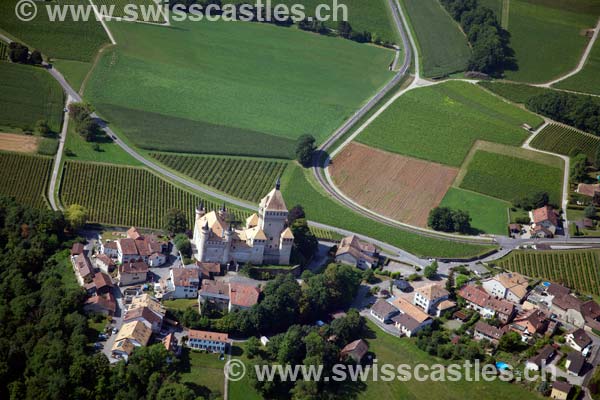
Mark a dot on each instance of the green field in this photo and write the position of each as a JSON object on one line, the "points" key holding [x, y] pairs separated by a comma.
{"points": [[576, 269], [546, 37], [588, 79], [489, 215], [146, 6], [191, 76], [441, 123], [3, 51], [73, 71], [203, 373], [560, 139], [25, 178], [245, 178], [298, 189], [515, 92], [443, 46], [66, 40], [78, 149], [28, 94], [509, 178], [127, 196]]}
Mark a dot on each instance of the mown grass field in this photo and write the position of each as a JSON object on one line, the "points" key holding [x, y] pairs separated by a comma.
{"points": [[73, 71], [443, 46], [25, 177], [192, 72], [28, 94], [441, 123], [297, 189], [127, 196], [562, 140], [489, 215], [509, 178], [588, 79], [576, 269], [203, 373], [66, 40], [147, 11], [245, 178], [546, 37]]}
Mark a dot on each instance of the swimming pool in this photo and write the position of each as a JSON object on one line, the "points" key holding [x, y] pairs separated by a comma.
{"points": [[502, 365]]}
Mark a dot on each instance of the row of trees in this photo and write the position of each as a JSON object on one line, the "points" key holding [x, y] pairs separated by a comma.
{"points": [[19, 53], [582, 112], [491, 53], [85, 124], [448, 220]]}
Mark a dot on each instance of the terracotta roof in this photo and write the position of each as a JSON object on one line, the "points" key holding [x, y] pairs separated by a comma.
{"points": [[545, 213], [133, 233], [557, 290], [566, 302], [83, 265], [445, 305], [383, 308], [110, 244], [136, 330], [102, 280], [206, 335], [214, 287], [433, 291], [106, 301], [216, 225], [587, 189], [413, 311], [590, 309], [169, 341], [138, 267], [209, 268], [243, 295], [128, 247], [273, 201], [359, 348], [105, 259], [581, 338], [143, 312], [514, 282], [77, 249], [186, 276], [561, 386], [478, 296], [252, 220], [145, 300], [489, 330], [354, 241], [533, 320]]}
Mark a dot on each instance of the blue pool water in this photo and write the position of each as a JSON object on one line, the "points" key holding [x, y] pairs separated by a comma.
{"points": [[501, 365], [546, 284]]}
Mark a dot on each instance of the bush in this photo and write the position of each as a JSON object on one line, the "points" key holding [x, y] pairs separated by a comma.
{"points": [[47, 147]]}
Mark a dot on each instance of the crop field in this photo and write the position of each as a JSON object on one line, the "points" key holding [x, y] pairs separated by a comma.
{"points": [[190, 74], [126, 196], [509, 178], [323, 234], [576, 269], [148, 11], [25, 177], [19, 143], [444, 48], [399, 187], [561, 139], [247, 179], [297, 188], [588, 79], [531, 26], [441, 123], [488, 214], [515, 92], [68, 40], [28, 94]]}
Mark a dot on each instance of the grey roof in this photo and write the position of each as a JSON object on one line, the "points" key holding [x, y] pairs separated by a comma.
{"points": [[577, 362], [406, 321], [383, 308]]}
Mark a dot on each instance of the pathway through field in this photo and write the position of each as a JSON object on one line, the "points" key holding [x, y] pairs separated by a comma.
{"points": [[505, 13]]}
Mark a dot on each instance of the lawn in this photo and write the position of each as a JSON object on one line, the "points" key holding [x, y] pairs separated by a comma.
{"points": [[203, 373], [297, 188], [489, 215], [180, 304], [588, 79], [515, 92], [78, 149], [28, 94], [66, 40], [441, 123], [443, 46], [189, 78], [73, 71], [508, 178], [546, 37]]}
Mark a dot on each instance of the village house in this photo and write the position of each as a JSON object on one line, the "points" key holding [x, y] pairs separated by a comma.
{"points": [[587, 189], [486, 331], [146, 315], [207, 341], [242, 296], [132, 272], [145, 300], [356, 350], [544, 222], [214, 293], [561, 390], [383, 311], [182, 283], [131, 335], [486, 305], [510, 286], [578, 340], [110, 248], [77, 249], [171, 344], [411, 318], [136, 247], [105, 264], [102, 283], [574, 363], [84, 272], [101, 304], [209, 270], [542, 358], [530, 323], [429, 296], [353, 251]]}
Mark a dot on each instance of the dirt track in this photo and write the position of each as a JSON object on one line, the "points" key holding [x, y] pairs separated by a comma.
{"points": [[20, 143], [396, 186]]}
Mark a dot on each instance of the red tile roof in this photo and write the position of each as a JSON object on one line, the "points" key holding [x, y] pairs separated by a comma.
{"points": [[128, 247], [206, 335], [545, 213], [102, 280], [243, 295], [133, 267], [185, 276], [478, 296], [106, 301], [143, 312], [77, 249]]}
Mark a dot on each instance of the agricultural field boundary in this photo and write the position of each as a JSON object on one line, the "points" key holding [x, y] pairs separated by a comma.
{"points": [[100, 18]]}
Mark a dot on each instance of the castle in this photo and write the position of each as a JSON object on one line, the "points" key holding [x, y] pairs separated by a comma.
{"points": [[264, 240]]}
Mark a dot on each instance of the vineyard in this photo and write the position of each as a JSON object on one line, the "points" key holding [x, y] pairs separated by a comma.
{"points": [[324, 234], [25, 177], [248, 179], [576, 269], [560, 139], [126, 196]]}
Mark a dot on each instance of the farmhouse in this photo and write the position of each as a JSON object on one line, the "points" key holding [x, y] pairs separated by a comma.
{"points": [[242, 296], [486, 305], [587, 189], [353, 251], [510, 286], [429, 296], [135, 247], [208, 341], [264, 239]]}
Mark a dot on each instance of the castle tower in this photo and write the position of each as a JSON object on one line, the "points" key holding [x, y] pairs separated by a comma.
{"points": [[201, 242], [227, 250], [223, 212], [200, 210], [272, 218]]}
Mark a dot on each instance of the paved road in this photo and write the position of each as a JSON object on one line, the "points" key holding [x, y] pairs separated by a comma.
{"points": [[58, 159]]}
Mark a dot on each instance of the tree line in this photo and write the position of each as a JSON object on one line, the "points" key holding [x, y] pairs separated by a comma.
{"points": [[582, 112], [19, 53], [491, 53]]}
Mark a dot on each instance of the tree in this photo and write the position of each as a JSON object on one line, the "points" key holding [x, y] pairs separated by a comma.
{"points": [[295, 213], [305, 242], [252, 347], [447, 220], [509, 342], [461, 221], [175, 221], [461, 280], [590, 212], [450, 281], [42, 127], [36, 58], [80, 111], [18, 53], [344, 29], [76, 215], [431, 270], [578, 168], [182, 242], [88, 128], [305, 149], [368, 275]]}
